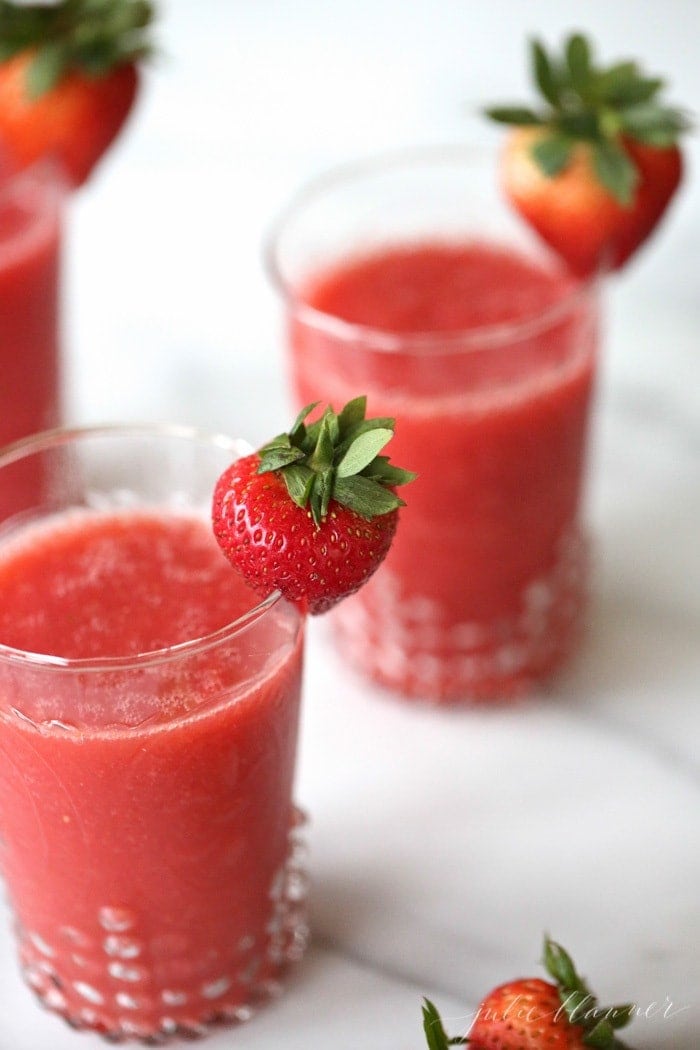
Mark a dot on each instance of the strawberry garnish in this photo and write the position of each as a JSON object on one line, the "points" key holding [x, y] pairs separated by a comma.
{"points": [[68, 78], [313, 513], [532, 1014], [593, 170]]}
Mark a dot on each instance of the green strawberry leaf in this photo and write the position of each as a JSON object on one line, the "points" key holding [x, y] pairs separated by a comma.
{"points": [[623, 84], [279, 441], [435, 1034], [322, 456], [24, 26], [620, 1016], [544, 72], [552, 154], [615, 171], [582, 125], [364, 427], [325, 486], [10, 48], [46, 69], [275, 458], [333, 426], [316, 500], [367, 498], [363, 450], [645, 89], [655, 125], [578, 61], [382, 470], [560, 966], [298, 428], [602, 1035], [299, 480], [611, 84], [121, 18], [320, 495], [352, 414], [521, 116], [577, 1003], [311, 432]]}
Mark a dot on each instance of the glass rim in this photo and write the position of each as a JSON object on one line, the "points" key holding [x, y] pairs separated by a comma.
{"points": [[48, 439], [457, 340]]}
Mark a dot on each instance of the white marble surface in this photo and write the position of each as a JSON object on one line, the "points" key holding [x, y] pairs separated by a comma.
{"points": [[443, 843]]}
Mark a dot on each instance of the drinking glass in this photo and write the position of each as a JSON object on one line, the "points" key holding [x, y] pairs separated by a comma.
{"points": [[483, 592], [148, 839]]}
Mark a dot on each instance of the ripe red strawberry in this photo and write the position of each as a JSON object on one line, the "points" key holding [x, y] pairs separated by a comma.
{"points": [[595, 170], [313, 513], [68, 78], [532, 1014]]}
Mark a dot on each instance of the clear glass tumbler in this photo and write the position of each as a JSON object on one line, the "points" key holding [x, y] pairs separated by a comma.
{"points": [[409, 279], [148, 839]]}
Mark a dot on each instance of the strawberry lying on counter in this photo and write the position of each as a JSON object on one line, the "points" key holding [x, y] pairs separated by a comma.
{"points": [[532, 1014], [594, 170], [313, 513], [68, 78]]}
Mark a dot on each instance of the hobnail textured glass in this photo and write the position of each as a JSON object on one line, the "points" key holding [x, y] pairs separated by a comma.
{"points": [[153, 858]]}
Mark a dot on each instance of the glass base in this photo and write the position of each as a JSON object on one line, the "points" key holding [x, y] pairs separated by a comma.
{"points": [[405, 644], [136, 1008]]}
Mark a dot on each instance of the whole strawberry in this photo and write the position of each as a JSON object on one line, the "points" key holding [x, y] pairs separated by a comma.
{"points": [[532, 1014], [313, 513], [68, 78], [595, 169]]}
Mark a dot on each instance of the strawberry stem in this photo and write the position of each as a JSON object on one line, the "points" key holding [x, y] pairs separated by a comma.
{"points": [[337, 458], [599, 105], [435, 1034], [580, 1006], [89, 36]]}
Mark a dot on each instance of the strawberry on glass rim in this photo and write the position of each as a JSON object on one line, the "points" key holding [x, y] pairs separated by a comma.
{"points": [[532, 1014], [593, 170], [313, 513], [68, 78]]}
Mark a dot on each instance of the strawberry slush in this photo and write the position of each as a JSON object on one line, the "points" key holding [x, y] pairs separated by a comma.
{"points": [[145, 805], [30, 237], [29, 264], [486, 360]]}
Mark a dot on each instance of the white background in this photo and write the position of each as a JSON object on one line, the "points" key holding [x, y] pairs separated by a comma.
{"points": [[443, 844]]}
